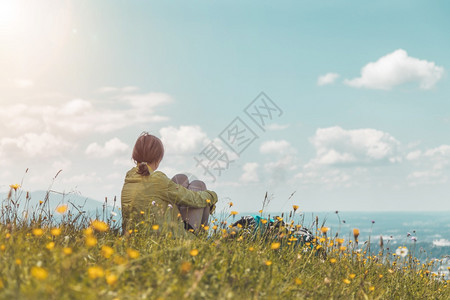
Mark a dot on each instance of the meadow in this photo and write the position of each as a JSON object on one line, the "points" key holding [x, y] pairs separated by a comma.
{"points": [[64, 253]]}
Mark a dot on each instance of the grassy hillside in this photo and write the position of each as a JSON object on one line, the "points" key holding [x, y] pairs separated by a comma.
{"points": [[82, 258]]}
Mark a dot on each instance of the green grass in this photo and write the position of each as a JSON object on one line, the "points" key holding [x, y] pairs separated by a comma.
{"points": [[148, 264]]}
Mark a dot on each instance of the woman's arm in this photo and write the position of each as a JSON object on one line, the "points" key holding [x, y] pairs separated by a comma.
{"points": [[183, 197]]}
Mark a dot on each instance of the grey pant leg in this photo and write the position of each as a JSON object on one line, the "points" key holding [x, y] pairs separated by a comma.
{"points": [[198, 185], [193, 216]]}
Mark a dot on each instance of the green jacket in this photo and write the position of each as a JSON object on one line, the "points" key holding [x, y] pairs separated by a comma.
{"points": [[155, 198]]}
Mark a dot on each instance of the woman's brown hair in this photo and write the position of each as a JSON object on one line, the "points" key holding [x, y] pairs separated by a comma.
{"points": [[148, 149]]}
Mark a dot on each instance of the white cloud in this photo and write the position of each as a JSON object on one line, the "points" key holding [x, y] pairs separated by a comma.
{"points": [[250, 173], [115, 176], [275, 126], [413, 155], [75, 107], [328, 78], [111, 148], [147, 101], [280, 168], [63, 164], [113, 89], [282, 159], [441, 152], [85, 179], [327, 177], [432, 166], [80, 116], [397, 68], [125, 161], [330, 178], [335, 145], [275, 147], [32, 145], [182, 140]]}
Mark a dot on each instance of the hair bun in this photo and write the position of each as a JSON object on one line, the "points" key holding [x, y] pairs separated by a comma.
{"points": [[143, 169]]}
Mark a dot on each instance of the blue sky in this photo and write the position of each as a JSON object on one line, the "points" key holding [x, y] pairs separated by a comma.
{"points": [[363, 88]]}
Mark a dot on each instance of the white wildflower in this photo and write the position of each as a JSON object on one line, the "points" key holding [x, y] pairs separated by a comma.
{"points": [[401, 251]]}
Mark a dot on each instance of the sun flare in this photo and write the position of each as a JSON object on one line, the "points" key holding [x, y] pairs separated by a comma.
{"points": [[32, 33]]}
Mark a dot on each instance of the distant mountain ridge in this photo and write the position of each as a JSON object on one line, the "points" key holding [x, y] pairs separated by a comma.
{"points": [[75, 202]]}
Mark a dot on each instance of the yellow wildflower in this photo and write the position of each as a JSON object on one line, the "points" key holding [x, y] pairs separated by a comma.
{"points": [[371, 288], [132, 253], [295, 207], [61, 209], [50, 246], [352, 276], [356, 234], [214, 227], [95, 272], [268, 262], [99, 225], [38, 231], [251, 249], [39, 273], [208, 201], [111, 279], [264, 221], [67, 250], [275, 246], [346, 281], [18, 261], [91, 241], [119, 260], [324, 229], [233, 213], [88, 231], [155, 227], [193, 252], [55, 231], [333, 260], [8, 235], [298, 281], [2, 247], [107, 251], [14, 186]]}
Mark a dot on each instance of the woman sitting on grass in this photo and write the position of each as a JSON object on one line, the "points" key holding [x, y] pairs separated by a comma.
{"points": [[149, 195]]}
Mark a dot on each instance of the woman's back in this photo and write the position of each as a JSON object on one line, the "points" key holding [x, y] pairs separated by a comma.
{"points": [[155, 199]]}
